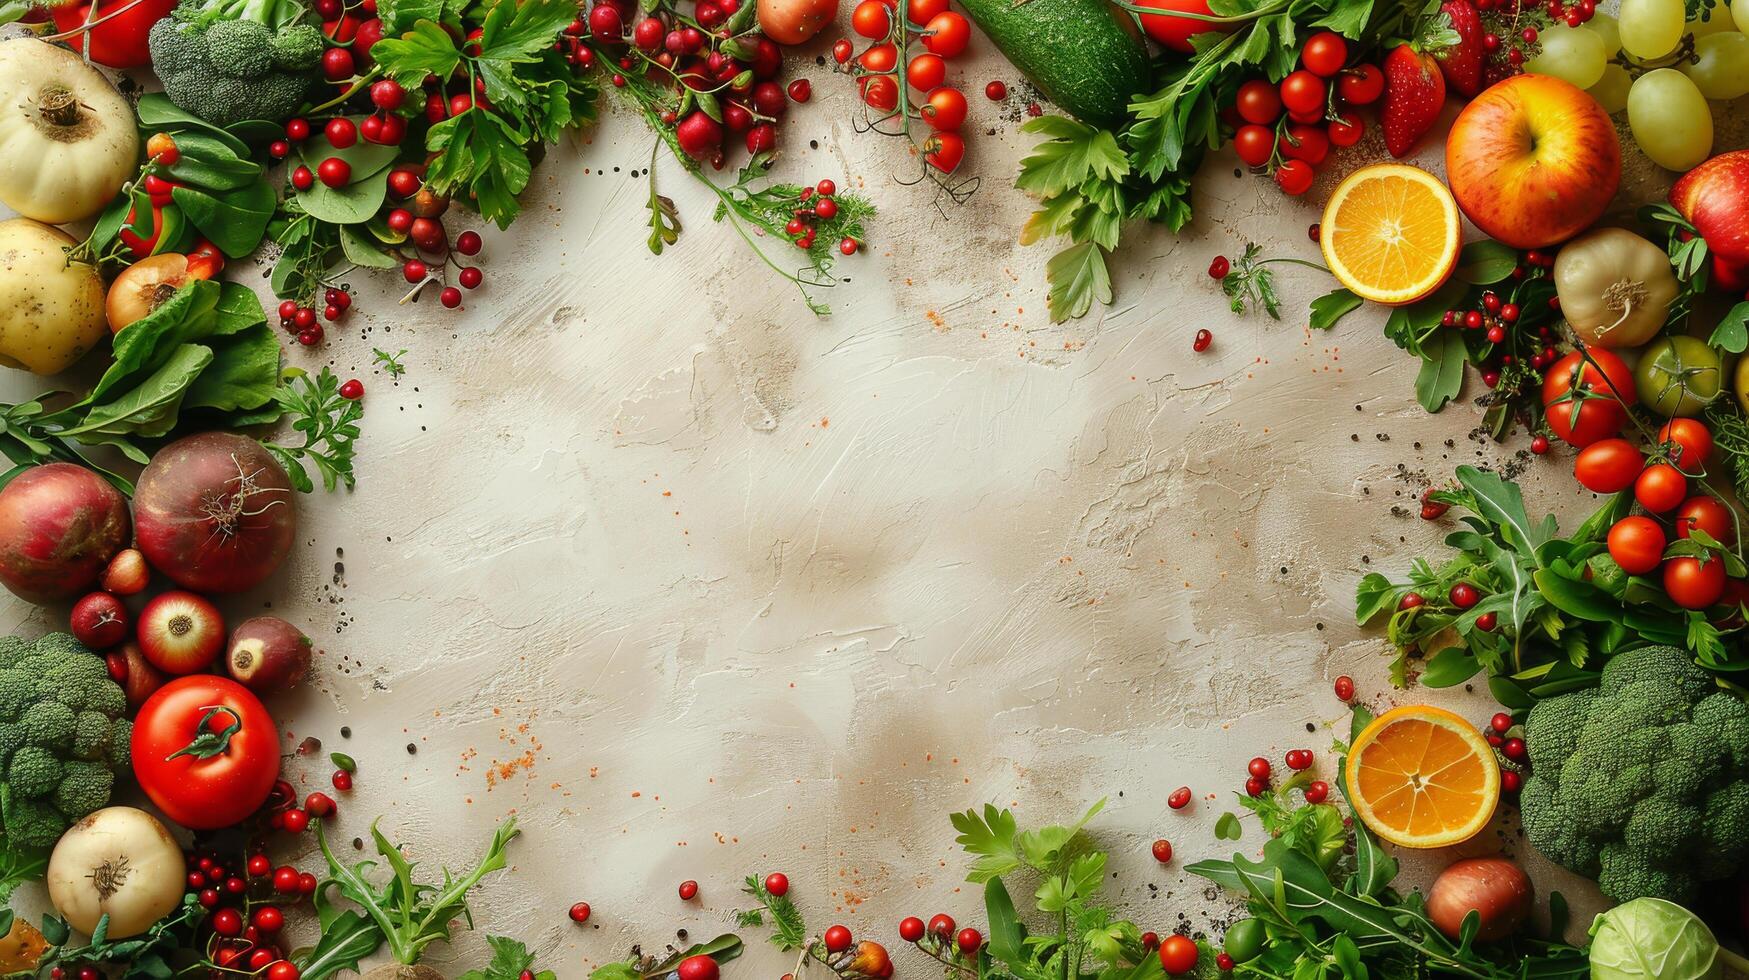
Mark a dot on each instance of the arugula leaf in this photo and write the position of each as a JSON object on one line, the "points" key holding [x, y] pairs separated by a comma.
{"points": [[347, 937], [1442, 370]]}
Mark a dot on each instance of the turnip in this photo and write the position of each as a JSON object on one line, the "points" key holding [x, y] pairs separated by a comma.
{"points": [[118, 862], [59, 526], [181, 632], [215, 512], [268, 654]]}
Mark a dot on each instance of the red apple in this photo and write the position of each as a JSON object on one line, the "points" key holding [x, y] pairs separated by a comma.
{"points": [[181, 632], [99, 621], [1714, 197], [1533, 161], [59, 525]]}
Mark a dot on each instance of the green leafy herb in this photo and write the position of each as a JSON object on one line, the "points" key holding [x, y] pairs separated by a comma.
{"points": [[159, 953], [789, 932], [391, 362], [1332, 307], [509, 959], [329, 424], [644, 967], [1250, 281]]}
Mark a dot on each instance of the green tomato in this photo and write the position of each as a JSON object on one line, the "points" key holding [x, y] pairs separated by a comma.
{"points": [[1678, 376], [1244, 940]]}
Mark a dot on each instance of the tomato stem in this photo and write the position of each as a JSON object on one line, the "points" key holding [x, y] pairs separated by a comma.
{"points": [[208, 744]]}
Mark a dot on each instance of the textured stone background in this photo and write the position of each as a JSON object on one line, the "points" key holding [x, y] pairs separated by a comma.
{"points": [[700, 585]]}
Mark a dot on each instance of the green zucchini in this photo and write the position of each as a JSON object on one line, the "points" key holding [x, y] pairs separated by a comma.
{"points": [[1084, 55]]}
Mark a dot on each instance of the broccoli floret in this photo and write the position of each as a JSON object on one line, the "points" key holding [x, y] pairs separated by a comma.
{"points": [[231, 60], [62, 737], [1642, 783]]}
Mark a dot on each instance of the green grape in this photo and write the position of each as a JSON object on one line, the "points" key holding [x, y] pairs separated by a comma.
{"points": [[1650, 28], [1611, 91], [1721, 66], [1740, 14], [1670, 119], [1572, 54], [1715, 23], [1606, 27]]}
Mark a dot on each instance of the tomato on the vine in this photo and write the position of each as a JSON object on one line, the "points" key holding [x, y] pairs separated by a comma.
{"points": [[1303, 92], [1693, 441], [871, 19], [945, 110], [1693, 584], [1660, 488], [879, 91], [944, 151], [926, 71], [1608, 466], [1361, 85], [206, 751], [879, 58], [947, 34], [1176, 32], [1679, 375], [1708, 515], [1294, 177], [1346, 129], [1585, 404], [1303, 142], [921, 12], [116, 37], [1254, 144], [1324, 54], [1258, 102], [1637, 544]]}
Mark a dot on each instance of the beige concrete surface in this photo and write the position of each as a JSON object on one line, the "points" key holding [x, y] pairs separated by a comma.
{"points": [[700, 585]]}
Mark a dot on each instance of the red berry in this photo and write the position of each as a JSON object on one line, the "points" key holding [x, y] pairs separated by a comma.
{"points": [[1344, 688], [227, 922], [352, 390], [1514, 749], [308, 338], [1410, 600], [837, 939], [688, 889], [1179, 799], [296, 821], [387, 95], [1317, 791], [259, 865], [470, 277], [304, 318], [969, 941], [209, 897], [996, 91], [1496, 335], [1464, 595], [450, 297], [1539, 444], [1487, 621], [800, 90], [1163, 851], [910, 929], [1202, 341], [1255, 786], [267, 918], [337, 64], [826, 208], [282, 970], [302, 178], [279, 149], [399, 220], [700, 967], [941, 925], [334, 172], [1299, 759], [285, 879], [307, 883], [288, 309], [1219, 268], [342, 779], [777, 883], [341, 132], [321, 804], [1510, 781], [847, 246], [1224, 962], [842, 50], [196, 880], [1150, 941], [468, 243], [297, 130], [413, 270], [1258, 767], [1500, 722], [580, 912]]}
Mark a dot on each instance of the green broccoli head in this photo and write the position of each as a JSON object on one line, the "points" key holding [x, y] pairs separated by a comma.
{"points": [[231, 60], [62, 736], [1641, 783]]}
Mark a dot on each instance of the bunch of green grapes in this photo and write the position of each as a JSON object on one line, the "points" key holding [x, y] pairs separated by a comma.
{"points": [[1660, 67]]}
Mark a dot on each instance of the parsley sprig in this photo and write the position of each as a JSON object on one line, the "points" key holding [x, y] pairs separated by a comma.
{"points": [[329, 423]]}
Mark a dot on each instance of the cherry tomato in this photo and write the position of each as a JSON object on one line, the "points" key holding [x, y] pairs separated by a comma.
{"points": [[921, 12], [1303, 142], [1176, 32], [945, 110], [119, 41], [879, 91], [1637, 544], [1324, 54], [1692, 584], [1608, 466], [871, 19], [1303, 92], [947, 34], [1707, 514], [1361, 85], [1254, 144], [1294, 177], [1694, 441], [1258, 102], [879, 58], [1660, 488], [944, 151], [1177, 955], [926, 71], [1346, 129], [205, 751], [1582, 401]]}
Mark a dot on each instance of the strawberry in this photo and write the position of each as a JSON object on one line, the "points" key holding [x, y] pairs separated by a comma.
{"points": [[1414, 96], [1461, 61]]}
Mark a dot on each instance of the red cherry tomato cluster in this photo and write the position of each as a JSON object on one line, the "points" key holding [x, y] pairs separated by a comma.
{"points": [[897, 82], [1288, 128], [814, 205], [246, 904]]}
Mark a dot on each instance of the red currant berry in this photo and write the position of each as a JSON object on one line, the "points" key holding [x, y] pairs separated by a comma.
{"points": [[996, 91], [1258, 767], [1219, 268], [321, 804], [209, 897], [413, 271], [227, 922], [470, 277], [1464, 595], [579, 912], [1255, 786], [837, 939], [777, 883], [942, 925], [285, 880], [1202, 340], [302, 179], [910, 929], [1317, 791], [468, 243], [1510, 781], [1163, 851], [1539, 444], [1514, 749], [267, 918], [297, 130], [1179, 799], [688, 889], [342, 779], [1410, 600], [969, 941], [1344, 688], [296, 821], [259, 865], [1224, 962]]}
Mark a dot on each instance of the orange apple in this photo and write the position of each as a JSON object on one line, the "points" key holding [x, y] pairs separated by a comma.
{"points": [[1714, 197], [1533, 161]]}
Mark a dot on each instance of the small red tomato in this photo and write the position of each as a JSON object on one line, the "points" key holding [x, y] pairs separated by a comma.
{"points": [[319, 804], [1178, 955], [1704, 513], [1361, 85], [1254, 144], [1258, 102], [1585, 404], [945, 110], [1344, 688], [837, 938], [1693, 442], [1693, 584], [947, 34], [1305, 142], [282, 970], [1175, 32], [777, 883], [910, 929], [944, 151], [1660, 488], [1163, 851], [1346, 129], [925, 72], [1303, 92], [1608, 466], [1295, 177], [870, 19], [1324, 54]]}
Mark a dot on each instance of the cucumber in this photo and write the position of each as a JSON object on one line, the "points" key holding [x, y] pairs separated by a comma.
{"points": [[1084, 55]]}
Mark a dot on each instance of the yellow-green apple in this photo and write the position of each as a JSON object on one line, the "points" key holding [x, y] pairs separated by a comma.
{"points": [[1714, 197], [1533, 161]]}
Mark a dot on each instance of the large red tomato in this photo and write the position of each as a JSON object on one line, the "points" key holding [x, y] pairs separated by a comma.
{"points": [[119, 41], [1585, 404], [1176, 32], [206, 751]]}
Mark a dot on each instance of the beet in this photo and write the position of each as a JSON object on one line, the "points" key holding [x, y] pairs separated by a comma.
{"points": [[268, 654], [215, 512], [60, 523]]}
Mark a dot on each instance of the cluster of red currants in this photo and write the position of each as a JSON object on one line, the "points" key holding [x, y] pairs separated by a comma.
{"points": [[1508, 740], [1259, 770], [245, 912], [420, 218], [1513, 28], [816, 204], [940, 939], [300, 320], [887, 68], [1288, 129], [1498, 315]]}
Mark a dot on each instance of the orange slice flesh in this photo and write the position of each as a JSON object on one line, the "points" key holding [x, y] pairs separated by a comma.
{"points": [[1391, 233], [1420, 776]]}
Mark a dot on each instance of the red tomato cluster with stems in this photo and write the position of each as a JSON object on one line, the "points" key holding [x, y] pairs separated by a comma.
{"points": [[897, 82], [1288, 128]]}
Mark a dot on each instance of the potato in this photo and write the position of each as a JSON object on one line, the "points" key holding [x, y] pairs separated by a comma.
{"points": [[51, 310]]}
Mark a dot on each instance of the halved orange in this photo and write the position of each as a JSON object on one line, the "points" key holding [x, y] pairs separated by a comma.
{"points": [[1420, 776], [1391, 233]]}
